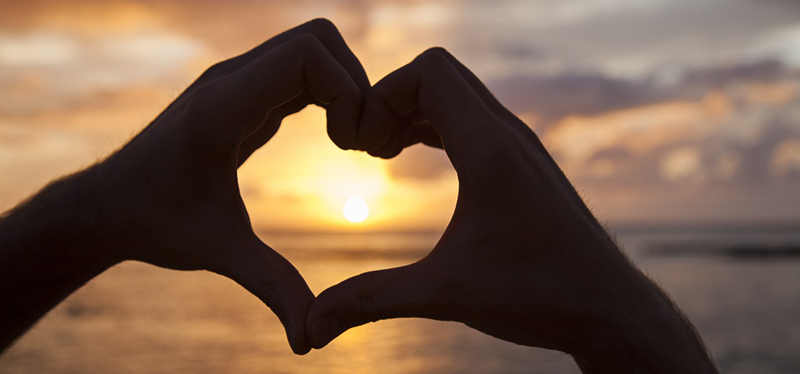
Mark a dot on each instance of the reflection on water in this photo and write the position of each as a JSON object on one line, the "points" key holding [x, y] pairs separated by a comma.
{"points": [[139, 319]]}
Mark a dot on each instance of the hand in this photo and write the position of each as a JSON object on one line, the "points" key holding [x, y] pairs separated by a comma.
{"points": [[170, 197], [178, 198], [523, 259]]}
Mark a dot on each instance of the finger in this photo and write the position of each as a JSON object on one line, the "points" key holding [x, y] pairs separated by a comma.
{"points": [[267, 130], [491, 101], [283, 74], [331, 38], [324, 30], [397, 140], [424, 133], [420, 131], [432, 86], [271, 278], [427, 135], [515, 123], [369, 297], [481, 90], [328, 35], [374, 133]]}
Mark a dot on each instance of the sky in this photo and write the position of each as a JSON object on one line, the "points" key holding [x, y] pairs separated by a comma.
{"points": [[659, 111]]}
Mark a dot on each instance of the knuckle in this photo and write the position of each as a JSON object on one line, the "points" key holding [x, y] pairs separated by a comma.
{"points": [[432, 57], [322, 27], [306, 43], [369, 310], [439, 51], [366, 300], [265, 291]]}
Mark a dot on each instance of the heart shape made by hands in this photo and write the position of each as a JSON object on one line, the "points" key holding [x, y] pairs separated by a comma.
{"points": [[514, 261]]}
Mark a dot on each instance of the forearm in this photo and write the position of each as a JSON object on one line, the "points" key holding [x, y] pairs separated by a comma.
{"points": [[47, 251], [646, 334]]}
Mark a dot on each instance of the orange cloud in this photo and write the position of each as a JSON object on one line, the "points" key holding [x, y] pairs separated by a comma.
{"points": [[639, 130]]}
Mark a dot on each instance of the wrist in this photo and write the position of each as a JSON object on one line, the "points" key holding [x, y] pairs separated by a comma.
{"points": [[63, 220]]}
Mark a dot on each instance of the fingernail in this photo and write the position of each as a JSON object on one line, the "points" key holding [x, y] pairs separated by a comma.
{"points": [[323, 330]]}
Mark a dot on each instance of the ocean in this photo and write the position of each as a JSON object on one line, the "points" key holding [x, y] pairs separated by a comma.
{"points": [[740, 286]]}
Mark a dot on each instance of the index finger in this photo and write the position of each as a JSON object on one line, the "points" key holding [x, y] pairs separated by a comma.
{"points": [[324, 30], [277, 77], [433, 87], [342, 133]]}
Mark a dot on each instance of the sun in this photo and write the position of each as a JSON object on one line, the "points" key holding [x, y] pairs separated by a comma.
{"points": [[355, 209]]}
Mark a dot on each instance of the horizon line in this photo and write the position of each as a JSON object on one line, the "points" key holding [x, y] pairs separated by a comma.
{"points": [[769, 225]]}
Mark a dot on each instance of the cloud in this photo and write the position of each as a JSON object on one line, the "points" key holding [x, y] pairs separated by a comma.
{"points": [[620, 38], [635, 132], [786, 158], [37, 49], [569, 94], [753, 147], [45, 69], [694, 103], [572, 94], [682, 164]]}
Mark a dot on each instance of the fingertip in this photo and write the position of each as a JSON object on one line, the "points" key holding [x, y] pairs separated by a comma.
{"points": [[386, 154], [300, 345], [375, 125], [323, 330], [342, 117], [301, 351], [296, 333], [296, 328]]}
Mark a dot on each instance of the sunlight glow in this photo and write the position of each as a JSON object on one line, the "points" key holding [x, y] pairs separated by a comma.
{"points": [[355, 209]]}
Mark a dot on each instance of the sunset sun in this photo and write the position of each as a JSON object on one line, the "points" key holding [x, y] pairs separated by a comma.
{"points": [[355, 209]]}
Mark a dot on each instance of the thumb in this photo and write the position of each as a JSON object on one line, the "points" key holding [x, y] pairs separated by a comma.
{"points": [[277, 283], [369, 297]]}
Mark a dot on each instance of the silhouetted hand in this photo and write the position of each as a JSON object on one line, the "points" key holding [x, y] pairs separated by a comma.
{"points": [[179, 176], [170, 197], [523, 259]]}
